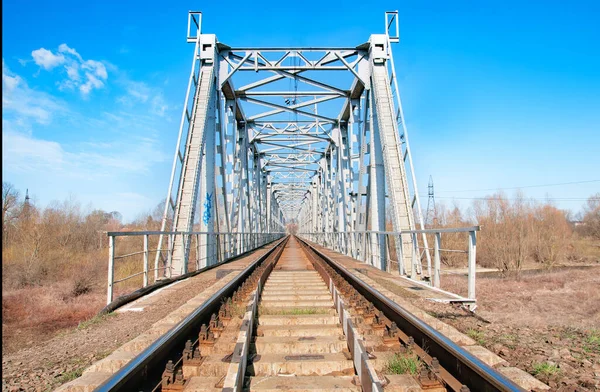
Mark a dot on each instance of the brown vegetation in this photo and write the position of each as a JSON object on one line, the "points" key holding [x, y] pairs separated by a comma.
{"points": [[516, 231], [54, 264]]}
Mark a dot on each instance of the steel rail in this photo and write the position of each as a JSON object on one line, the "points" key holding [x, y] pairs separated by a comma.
{"points": [[465, 367], [145, 369]]}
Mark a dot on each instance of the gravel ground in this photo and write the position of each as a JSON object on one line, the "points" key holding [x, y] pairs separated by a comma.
{"points": [[547, 324], [46, 364], [61, 359]]}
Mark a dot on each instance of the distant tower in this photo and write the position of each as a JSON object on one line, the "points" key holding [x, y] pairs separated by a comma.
{"points": [[431, 215], [26, 211]]}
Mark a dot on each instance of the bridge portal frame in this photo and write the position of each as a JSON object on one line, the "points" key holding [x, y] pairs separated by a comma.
{"points": [[259, 171]]}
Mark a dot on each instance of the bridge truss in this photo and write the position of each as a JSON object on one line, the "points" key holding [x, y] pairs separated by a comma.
{"points": [[312, 136]]}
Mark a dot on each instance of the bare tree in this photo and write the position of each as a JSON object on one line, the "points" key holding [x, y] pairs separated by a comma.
{"points": [[10, 208], [591, 216]]}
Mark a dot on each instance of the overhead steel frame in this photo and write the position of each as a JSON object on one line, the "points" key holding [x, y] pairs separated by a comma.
{"points": [[317, 154]]}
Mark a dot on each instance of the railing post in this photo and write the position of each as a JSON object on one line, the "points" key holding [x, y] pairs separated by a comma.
{"points": [[400, 256], [371, 251], [156, 262], [229, 245], [472, 257], [413, 268], [386, 254], [184, 267], [169, 256], [197, 236], [218, 246], [145, 260], [436, 259], [111, 268]]}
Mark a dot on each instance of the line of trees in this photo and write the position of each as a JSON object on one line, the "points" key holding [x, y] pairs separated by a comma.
{"points": [[51, 244], [62, 241], [516, 231]]}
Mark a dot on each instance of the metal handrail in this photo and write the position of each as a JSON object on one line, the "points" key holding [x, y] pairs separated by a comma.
{"points": [[151, 232], [418, 231], [240, 242], [361, 247]]}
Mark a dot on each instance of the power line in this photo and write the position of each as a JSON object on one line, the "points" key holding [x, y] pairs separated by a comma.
{"points": [[521, 187]]}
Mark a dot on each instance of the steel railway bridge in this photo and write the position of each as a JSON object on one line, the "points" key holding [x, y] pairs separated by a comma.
{"points": [[312, 142], [305, 139]]}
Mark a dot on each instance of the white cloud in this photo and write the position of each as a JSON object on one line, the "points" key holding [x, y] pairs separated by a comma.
{"points": [[96, 67], [137, 148], [64, 48], [21, 102], [9, 82], [92, 82], [22, 153], [73, 71], [94, 72], [139, 92], [49, 145], [159, 105], [46, 59]]}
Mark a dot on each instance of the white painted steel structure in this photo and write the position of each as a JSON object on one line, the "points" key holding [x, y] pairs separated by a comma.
{"points": [[312, 136]]}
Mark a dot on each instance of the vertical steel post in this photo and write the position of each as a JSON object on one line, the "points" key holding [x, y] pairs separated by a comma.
{"points": [[472, 249], [169, 256], [197, 236], [220, 257], [436, 259], [400, 256], [413, 269], [111, 268], [145, 260], [156, 259], [184, 267]]}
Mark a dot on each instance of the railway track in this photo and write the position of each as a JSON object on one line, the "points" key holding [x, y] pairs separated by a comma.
{"points": [[297, 320]]}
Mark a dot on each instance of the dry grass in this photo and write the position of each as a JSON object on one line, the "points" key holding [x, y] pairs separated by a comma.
{"points": [[41, 311], [54, 265], [558, 298]]}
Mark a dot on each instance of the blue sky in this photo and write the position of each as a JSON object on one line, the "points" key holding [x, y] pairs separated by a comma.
{"points": [[496, 94]]}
